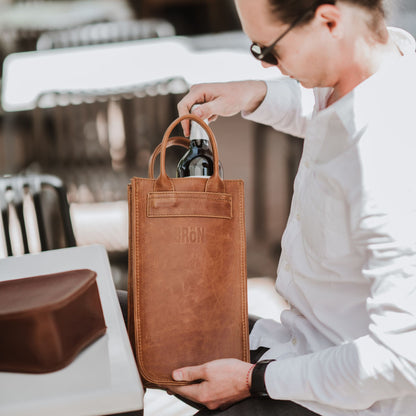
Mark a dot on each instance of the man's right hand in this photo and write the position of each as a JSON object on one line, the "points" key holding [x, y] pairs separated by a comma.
{"points": [[222, 99]]}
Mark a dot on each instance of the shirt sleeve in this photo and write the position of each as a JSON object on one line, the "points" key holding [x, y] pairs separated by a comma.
{"points": [[351, 376], [382, 363], [287, 107]]}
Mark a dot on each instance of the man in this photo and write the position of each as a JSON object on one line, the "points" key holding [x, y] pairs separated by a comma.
{"points": [[347, 346]]}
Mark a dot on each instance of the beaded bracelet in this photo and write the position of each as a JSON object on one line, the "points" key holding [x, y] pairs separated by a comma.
{"points": [[248, 376]]}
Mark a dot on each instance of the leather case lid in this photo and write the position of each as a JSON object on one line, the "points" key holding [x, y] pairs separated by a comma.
{"points": [[23, 296], [45, 321]]}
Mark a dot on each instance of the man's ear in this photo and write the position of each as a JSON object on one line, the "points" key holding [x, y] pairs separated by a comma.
{"points": [[329, 16]]}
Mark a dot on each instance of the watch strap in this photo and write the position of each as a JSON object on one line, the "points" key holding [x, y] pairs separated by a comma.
{"points": [[258, 385]]}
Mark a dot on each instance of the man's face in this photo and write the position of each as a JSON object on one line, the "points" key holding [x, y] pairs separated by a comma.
{"points": [[303, 54]]}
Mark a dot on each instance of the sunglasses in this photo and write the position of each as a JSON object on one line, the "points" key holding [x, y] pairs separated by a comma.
{"points": [[266, 53]]}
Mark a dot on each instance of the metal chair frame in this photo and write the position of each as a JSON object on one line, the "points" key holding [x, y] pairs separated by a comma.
{"points": [[12, 191]]}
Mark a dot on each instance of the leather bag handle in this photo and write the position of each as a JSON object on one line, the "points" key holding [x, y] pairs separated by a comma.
{"points": [[173, 141], [214, 183]]}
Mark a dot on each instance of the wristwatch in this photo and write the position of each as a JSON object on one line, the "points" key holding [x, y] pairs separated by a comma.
{"points": [[258, 386]]}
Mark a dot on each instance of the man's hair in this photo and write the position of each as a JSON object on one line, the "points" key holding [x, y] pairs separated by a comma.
{"points": [[287, 11]]}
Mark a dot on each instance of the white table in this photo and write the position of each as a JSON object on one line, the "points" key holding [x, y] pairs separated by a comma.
{"points": [[27, 75], [103, 379]]}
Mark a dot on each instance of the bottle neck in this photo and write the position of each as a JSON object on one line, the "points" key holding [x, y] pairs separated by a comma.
{"points": [[198, 134]]}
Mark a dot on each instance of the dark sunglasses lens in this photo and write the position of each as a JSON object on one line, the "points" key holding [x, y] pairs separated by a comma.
{"points": [[270, 59], [257, 52]]}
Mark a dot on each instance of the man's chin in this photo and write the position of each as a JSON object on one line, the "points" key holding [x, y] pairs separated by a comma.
{"points": [[306, 84]]}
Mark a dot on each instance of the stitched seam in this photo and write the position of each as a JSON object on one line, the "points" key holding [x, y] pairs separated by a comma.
{"points": [[190, 195], [130, 303], [188, 215], [137, 286], [136, 280], [243, 277], [183, 196], [148, 376]]}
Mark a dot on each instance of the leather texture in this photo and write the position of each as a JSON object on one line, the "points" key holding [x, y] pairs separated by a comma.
{"points": [[187, 269], [45, 321]]}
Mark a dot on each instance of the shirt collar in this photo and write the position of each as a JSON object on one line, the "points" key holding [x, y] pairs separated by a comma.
{"points": [[354, 109]]}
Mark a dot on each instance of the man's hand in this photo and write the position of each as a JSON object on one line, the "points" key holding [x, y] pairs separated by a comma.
{"points": [[222, 99], [224, 382]]}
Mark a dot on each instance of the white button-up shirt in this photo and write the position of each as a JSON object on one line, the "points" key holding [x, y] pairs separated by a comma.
{"points": [[347, 346]]}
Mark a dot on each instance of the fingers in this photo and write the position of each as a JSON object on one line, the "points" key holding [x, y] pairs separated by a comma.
{"points": [[207, 111], [185, 105], [183, 110], [216, 383], [200, 393], [189, 373], [212, 118], [204, 111], [186, 123], [204, 94], [221, 99], [191, 391]]}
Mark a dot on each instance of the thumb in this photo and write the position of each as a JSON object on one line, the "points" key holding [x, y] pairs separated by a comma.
{"points": [[204, 111], [187, 374]]}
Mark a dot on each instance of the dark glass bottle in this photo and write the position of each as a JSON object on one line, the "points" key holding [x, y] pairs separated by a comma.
{"points": [[198, 160]]}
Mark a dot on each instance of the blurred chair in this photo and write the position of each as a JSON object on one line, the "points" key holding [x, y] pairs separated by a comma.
{"points": [[109, 32], [96, 140], [34, 214]]}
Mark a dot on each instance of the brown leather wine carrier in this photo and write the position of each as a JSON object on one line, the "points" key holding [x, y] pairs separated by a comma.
{"points": [[187, 290]]}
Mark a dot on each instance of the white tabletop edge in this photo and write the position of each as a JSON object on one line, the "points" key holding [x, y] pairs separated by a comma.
{"points": [[92, 384]]}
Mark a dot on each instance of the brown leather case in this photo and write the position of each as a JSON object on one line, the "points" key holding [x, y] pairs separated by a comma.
{"points": [[45, 321], [187, 269]]}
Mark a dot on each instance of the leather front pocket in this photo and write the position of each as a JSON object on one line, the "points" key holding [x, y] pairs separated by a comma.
{"points": [[189, 204]]}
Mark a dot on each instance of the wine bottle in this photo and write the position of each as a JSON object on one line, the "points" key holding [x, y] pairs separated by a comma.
{"points": [[198, 160]]}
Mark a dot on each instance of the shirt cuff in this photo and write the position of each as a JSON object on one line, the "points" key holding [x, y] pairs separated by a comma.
{"points": [[283, 107], [266, 111]]}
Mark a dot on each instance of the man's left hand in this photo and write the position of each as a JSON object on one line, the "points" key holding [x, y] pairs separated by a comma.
{"points": [[223, 382]]}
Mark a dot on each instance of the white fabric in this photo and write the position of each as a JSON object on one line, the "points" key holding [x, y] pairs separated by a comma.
{"points": [[347, 345]]}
